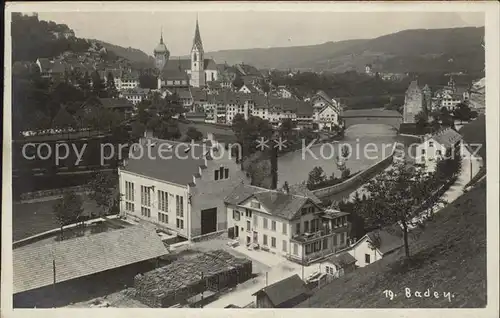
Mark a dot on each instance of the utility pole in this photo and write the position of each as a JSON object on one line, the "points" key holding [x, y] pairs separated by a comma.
{"points": [[203, 291], [54, 281]]}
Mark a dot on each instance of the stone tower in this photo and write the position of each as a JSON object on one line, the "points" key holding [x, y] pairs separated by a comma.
{"points": [[414, 102], [161, 54], [427, 94], [197, 60]]}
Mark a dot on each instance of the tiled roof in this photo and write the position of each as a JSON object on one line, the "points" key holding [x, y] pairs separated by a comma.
{"points": [[275, 202], [342, 259], [136, 91], [288, 292], [198, 94], [174, 74], [78, 257], [210, 65], [301, 189], [179, 163], [447, 137], [325, 96], [185, 64], [388, 242]]}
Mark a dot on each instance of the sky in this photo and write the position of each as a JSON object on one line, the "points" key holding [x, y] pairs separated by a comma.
{"points": [[249, 29]]}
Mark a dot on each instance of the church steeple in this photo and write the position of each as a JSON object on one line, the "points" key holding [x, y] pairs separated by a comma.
{"points": [[197, 37], [161, 35]]}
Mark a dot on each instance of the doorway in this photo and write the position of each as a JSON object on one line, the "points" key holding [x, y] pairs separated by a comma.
{"points": [[208, 221]]}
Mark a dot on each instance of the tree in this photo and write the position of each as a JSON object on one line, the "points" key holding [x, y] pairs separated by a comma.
{"points": [[110, 86], [238, 82], [462, 112], [84, 84], [316, 176], [449, 165], [194, 134], [421, 122], [394, 196], [446, 118], [68, 209], [102, 189], [98, 86], [285, 188]]}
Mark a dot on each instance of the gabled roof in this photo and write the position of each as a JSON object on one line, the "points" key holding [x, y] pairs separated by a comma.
{"points": [[179, 163], [287, 292], [342, 259], [78, 257], [301, 189], [388, 242], [174, 74], [277, 203], [447, 137]]}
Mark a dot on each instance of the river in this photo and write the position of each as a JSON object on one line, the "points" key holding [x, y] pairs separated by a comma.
{"points": [[369, 143]]}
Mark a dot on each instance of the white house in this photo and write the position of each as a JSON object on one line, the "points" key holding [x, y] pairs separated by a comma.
{"points": [[248, 89], [338, 265], [136, 95], [373, 246], [284, 92], [436, 146], [179, 187], [327, 118], [290, 224]]}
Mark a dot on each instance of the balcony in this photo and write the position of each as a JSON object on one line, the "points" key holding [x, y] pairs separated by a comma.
{"points": [[323, 232]]}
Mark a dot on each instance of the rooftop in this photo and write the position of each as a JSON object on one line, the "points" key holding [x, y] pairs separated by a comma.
{"points": [[447, 137], [387, 242], [341, 259], [287, 292]]}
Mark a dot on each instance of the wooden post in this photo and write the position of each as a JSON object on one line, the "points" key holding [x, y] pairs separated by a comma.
{"points": [[54, 281], [203, 291]]}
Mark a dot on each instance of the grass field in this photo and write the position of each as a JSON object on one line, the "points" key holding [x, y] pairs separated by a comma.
{"points": [[448, 256]]}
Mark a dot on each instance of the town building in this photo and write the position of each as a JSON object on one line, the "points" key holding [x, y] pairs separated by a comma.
{"points": [[450, 96], [326, 110], [338, 265], [286, 293], [477, 96], [51, 69], [417, 100], [284, 92], [291, 224], [179, 187], [198, 69], [135, 95], [248, 89], [437, 146], [373, 246]]}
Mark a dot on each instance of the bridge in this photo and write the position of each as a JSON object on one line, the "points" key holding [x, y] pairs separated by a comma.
{"points": [[372, 116]]}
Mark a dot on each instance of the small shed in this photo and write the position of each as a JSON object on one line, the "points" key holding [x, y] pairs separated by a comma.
{"points": [[338, 265]]}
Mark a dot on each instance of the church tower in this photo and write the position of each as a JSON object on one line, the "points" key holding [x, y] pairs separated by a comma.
{"points": [[161, 54], [197, 60]]}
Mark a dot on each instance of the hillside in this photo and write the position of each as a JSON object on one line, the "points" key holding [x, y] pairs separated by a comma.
{"points": [[447, 50], [449, 256], [137, 57]]}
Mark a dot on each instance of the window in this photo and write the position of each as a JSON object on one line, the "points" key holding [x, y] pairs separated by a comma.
{"points": [[129, 206], [297, 228], [248, 213], [255, 205], [162, 217], [342, 238], [273, 242], [145, 196], [438, 152], [325, 243], [335, 240], [284, 246], [145, 211], [295, 249], [284, 228], [367, 258], [129, 191], [431, 144], [180, 224], [255, 221], [216, 175], [273, 226], [306, 226], [264, 222], [162, 201], [194, 58], [236, 215], [264, 239], [179, 201], [423, 152], [248, 226]]}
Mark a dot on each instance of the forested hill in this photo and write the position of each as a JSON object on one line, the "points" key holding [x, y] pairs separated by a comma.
{"points": [[444, 50], [33, 38], [135, 56]]}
